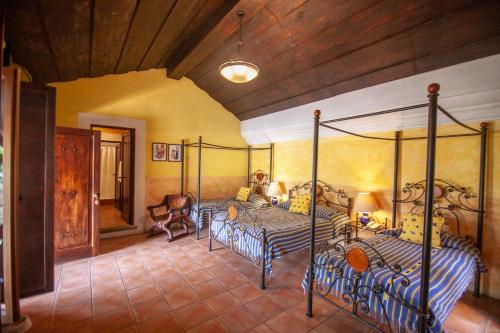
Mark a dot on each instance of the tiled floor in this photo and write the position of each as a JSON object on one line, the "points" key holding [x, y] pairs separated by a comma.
{"points": [[149, 285]]}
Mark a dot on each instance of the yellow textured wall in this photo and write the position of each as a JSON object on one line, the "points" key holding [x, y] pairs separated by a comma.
{"points": [[173, 110], [356, 165]]}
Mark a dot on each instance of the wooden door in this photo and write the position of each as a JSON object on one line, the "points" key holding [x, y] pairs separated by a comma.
{"points": [[35, 217], [76, 194], [9, 135], [118, 178], [126, 188]]}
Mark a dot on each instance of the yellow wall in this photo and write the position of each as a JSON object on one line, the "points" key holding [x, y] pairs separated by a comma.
{"points": [[356, 165], [173, 110]]}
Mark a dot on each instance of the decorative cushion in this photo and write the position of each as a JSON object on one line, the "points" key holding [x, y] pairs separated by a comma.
{"points": [[300, 204], [413, 229], [243, 194]]}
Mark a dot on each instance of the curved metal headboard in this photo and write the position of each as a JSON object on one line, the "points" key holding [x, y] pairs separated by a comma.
{"points": [[258, 182], [449, 199], [338, 198]]}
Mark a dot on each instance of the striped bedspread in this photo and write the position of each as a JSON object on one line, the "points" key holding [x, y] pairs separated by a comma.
{"points": [[452, 269], [285, 232], [215, 205]]}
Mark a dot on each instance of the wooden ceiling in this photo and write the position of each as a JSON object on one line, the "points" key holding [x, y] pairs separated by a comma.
{"points": [[306, 49]]}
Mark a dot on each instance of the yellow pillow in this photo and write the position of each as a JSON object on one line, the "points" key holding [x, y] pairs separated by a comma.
{"points": [[413, 229], [243, 194], [300, 204]]}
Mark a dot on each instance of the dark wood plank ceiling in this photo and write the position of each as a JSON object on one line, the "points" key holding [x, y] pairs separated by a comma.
{"points": [[306, 49]]}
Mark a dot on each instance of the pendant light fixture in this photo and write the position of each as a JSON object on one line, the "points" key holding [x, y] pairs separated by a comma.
{"points": [[239, 71]]}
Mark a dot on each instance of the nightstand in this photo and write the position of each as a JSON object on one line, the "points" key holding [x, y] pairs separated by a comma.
{"points": [[356, 229]]}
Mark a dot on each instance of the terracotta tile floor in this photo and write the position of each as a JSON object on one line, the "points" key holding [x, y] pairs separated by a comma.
{"points": [[149, 285]]}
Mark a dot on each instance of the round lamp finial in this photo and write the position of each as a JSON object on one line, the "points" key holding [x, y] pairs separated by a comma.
{"points": [[317, 113], [433, 88]]}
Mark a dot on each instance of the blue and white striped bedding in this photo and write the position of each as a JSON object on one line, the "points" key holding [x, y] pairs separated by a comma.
{"points": [[254, 202], [452, 269], [285, 232]]}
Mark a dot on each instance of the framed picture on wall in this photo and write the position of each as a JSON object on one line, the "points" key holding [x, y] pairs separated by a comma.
{"points": [[159, 151], [174, 153]]}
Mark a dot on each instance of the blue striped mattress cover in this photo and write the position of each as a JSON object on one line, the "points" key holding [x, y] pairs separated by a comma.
{"points": [[286, 232], [222, 204], [452, 269]]}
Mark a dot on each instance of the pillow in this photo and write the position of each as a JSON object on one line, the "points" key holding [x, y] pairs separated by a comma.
{"points": [[257, 201], [300, 204], [243, 194], [413, 229]]}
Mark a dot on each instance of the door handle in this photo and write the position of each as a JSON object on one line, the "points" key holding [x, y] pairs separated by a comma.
{"points": [[97, 199]]}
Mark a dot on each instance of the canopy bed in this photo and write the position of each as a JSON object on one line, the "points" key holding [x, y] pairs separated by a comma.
{"points": [[387, 277], [256, 181], [265, 234]]}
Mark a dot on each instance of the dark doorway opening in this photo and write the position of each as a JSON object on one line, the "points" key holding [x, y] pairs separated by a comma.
{"points": [[117, 177]]}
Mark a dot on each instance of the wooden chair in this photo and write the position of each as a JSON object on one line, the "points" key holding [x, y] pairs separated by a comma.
{"points": [[176, 208]]}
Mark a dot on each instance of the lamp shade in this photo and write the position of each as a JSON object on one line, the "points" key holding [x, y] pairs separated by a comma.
{"points": [[239, 71], [364, 203], [274, 190]]}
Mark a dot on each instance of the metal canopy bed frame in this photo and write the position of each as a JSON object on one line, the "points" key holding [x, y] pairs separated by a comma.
{"points": [[253, 179], [246, 235], [426, 188]]}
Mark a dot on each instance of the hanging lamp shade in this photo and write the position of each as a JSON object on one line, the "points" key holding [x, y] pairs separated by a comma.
{"points": [[239, 71]]}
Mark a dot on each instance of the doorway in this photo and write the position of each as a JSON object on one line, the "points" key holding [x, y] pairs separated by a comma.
{"points": [[117, 178]]}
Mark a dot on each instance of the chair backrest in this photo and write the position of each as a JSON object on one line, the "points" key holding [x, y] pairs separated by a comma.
{"points": [[178, 201]]}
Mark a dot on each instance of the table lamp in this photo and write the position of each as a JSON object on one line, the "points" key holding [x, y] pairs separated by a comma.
{"points": [[274, 191], [364, 204]]}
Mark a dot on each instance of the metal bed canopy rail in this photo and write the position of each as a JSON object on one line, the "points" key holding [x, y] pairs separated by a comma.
{"points": [[200, 145], [432, 110]]}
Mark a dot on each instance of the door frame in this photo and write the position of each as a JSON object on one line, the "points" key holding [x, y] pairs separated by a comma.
{"points": [[93, 197], [84, 119], [132, 166]]}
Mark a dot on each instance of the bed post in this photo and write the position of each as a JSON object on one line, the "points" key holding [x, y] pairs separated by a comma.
{"points": [[263, 253], [198, 191], [480, 211], [271, 153], [182, 167], [249, 164], [312, 243], [210, 230], [433, 90], [395, 184]]}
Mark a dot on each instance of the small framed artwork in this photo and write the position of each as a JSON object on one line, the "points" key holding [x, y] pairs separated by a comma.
{"points": [[159, 151], [174, 153]]}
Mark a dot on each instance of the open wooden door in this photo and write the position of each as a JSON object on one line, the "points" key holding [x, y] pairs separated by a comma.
{"points": [[118, 178], [76, 197], [126, 177]]}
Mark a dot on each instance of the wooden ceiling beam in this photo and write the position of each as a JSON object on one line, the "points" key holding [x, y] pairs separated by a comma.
{"points": [[23, 26], [213, 12], [182, 14], [482, 21], [111, 23], [69, 37], [192, 56], [263, 33], [447, 57], [367, 25], [147, 22]]}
